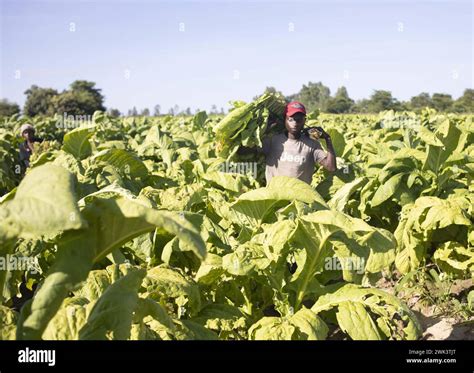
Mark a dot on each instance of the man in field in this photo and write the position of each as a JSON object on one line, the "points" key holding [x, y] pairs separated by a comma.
{"points": [[27, 131], [293, 153]]}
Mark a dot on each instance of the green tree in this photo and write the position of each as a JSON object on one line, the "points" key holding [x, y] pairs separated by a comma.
{"points": [[361, 106], [442, 101], [156, 110], [39, 101], [465, 103], [402, 105], [341, 102], [382, 100], [81, 99], [69, 103], [89, 87], [421, 101], [114, 113], [7, 108], [314, 96], [145, 112]]}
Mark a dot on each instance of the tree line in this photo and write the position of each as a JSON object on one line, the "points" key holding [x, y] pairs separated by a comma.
{"points": [[83, 98], [318, 96]]}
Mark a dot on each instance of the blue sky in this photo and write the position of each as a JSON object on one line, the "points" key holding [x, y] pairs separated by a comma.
{"points": [[199, 53]]}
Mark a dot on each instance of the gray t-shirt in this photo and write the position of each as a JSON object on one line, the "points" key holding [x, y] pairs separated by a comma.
{"points": [[294, 158]]}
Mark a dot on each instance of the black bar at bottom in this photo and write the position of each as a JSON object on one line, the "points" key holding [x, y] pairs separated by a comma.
{"points": [[360, 355]]}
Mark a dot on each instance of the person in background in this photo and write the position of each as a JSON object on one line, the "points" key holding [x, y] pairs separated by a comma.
{"points": [[27, 131]]}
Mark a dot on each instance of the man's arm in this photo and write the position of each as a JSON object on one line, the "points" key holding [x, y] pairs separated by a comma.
{"points": [[245, 150], [329, 163]]}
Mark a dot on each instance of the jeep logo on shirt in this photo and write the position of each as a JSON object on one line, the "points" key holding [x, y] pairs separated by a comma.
{"points": [[285, 157]]}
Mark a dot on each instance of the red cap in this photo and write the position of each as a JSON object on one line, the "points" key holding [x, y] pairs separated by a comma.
{"points": [[294, 107]]}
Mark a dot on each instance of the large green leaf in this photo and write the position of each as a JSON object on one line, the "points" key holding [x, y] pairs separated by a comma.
{"points": [[313, 240], [44, 204], [386, 190], [257, 204], [123, 161], [95, 285], [167, 283], [76, 142], [70, 163], [68, 321], [420, 221], [221, 317], [354, 303], [190, 330], [149, 307], [454, 258], [338, 141], [284, 188], [309, 326], [229, 181], [340, 199], [245, 259], [111, 223], [272, 328], [317, 231], [354, 320], [303, 325], [447, 136], [210, 269], [111, 317]]}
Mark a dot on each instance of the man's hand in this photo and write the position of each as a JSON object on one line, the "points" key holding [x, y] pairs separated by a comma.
{"points": [[316, 133], [324, 134], [329, 163], [271, 124]]}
